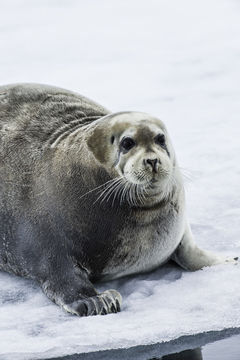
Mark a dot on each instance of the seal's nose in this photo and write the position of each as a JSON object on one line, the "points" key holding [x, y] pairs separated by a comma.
{"points": [[153, 163]]}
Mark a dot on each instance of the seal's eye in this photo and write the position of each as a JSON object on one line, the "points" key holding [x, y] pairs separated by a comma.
{"points": [[127, 143], [160, 139]]}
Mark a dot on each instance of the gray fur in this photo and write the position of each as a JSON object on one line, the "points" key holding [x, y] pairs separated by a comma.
{"points": [[55, 149]]}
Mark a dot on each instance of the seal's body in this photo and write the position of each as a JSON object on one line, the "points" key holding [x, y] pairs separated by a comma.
{"points": [[87, 195]]}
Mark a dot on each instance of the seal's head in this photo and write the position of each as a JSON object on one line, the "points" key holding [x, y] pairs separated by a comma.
{"points": [[135, 148]]}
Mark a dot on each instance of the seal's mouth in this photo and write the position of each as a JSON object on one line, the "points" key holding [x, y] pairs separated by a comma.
{"points": [[120, 190], [144, 186], [146, 179], [137, 188]]}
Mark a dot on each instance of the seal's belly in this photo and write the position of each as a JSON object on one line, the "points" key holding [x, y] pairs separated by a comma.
{"points": [[144, 249]]}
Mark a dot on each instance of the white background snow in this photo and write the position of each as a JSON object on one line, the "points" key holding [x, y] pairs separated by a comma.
{"points": [[178, 60]]}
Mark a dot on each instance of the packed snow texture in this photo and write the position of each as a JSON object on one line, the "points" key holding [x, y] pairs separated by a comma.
{"points": [[180, 62]]}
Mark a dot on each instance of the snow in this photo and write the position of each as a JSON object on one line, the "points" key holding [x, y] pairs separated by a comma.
{"points": [[176, 60]]}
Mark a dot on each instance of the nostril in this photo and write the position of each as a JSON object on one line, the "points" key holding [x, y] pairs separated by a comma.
{"points": [[153, 163]]}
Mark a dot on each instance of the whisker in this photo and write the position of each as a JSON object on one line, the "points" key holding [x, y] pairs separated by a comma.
{"points": [[121, 193], [124, 192], [109, 187], [187, 174], [105, 193], [96, 188], [130, 194], [141, 191], [135, 194], [117, 191]]}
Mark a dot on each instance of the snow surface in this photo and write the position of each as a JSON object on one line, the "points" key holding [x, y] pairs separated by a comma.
{"points": [[178, 60]]}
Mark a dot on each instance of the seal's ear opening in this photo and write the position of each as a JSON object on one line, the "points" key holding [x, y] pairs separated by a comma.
{"points": [[99, 143]]}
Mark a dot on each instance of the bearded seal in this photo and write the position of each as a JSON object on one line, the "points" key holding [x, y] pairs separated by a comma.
{"points": [[87, 195]]}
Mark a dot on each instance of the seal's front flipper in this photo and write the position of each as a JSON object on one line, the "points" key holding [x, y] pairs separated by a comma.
{"points": [[105, 303], [190, 257], [76, 294]]}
